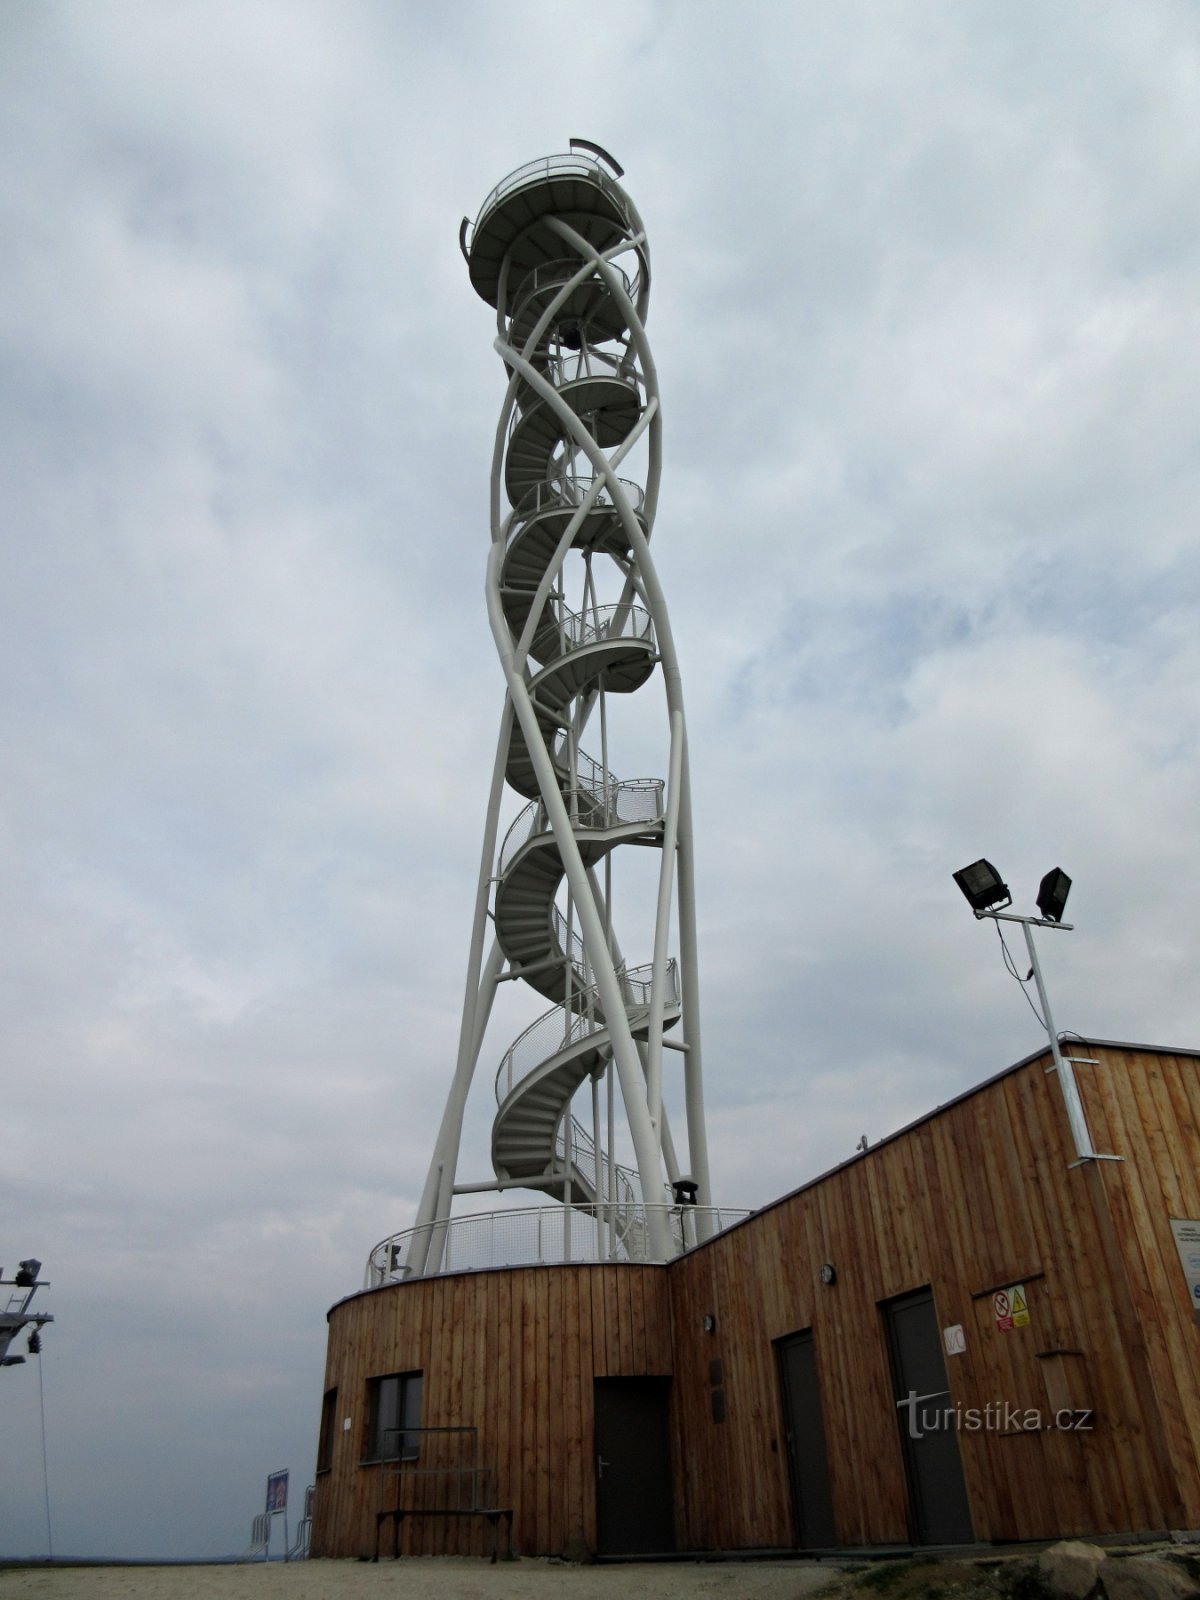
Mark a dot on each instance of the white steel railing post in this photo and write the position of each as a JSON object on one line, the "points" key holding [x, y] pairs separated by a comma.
{"points": [[598, 1181]]}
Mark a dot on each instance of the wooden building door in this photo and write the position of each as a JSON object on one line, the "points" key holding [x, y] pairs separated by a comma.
{"points": [[634, 1510], [804, 1430], [937, 1495]]}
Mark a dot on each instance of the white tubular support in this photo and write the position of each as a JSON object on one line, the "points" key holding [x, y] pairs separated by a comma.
{"points": [[662, 926], [656, 602], [1076, 1117], [579, 619], [688, 961], [604, 973], [439, 1183]]}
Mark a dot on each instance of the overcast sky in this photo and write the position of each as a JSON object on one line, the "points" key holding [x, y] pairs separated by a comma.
{"points": [[925, 315]]}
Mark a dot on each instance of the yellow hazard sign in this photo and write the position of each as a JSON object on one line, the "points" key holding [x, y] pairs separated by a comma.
{"points": [[1020, 1306], [1010, 1308]]}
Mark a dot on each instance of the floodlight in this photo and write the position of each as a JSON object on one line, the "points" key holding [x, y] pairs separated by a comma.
{"points": [[1052, 894], [27, 1272], [983, 886]]}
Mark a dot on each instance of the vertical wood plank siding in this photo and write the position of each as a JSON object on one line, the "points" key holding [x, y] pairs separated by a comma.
{"points": [[979, 1195], [511, 1353]]}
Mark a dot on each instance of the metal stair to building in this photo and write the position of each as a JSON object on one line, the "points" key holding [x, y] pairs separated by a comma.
{"points": [[532, 1104], [525, 894]]}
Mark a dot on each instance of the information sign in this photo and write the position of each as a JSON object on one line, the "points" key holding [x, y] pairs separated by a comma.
{"points": [[1187, 1242]]}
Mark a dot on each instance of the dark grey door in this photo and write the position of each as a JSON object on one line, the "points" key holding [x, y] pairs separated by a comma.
{"points": [[804, 1431], [805, 1436], [634, 1511], [937, 1495]]}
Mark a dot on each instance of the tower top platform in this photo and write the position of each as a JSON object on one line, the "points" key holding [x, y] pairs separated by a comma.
{"points": [[573, 187]]}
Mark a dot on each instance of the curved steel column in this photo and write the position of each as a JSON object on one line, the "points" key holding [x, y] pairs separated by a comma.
{"points": [[559, 250]]}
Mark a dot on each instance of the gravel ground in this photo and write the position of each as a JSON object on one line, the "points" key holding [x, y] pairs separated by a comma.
{"points": [[425, 1579]]}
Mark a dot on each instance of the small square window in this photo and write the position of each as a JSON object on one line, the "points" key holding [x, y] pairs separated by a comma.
{"points": [[393, 1408]]}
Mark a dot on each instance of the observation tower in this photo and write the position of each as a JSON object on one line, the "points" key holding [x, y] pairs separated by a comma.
{"points": [[581, 631]]}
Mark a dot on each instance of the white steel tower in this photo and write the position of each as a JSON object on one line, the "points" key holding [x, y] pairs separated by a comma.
{"points": [[579, 622]]}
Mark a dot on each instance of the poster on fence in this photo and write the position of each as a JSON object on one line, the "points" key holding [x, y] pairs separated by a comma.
{"points": [[277, 1492]]}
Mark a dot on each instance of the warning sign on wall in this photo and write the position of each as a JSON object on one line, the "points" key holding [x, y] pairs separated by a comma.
{"points": [[1187, 1242], [1010, 1308]]}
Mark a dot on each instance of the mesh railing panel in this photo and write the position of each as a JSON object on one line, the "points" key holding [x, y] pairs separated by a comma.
{"points": [[576, 1146], [552, 1032], [575, 631], [566, 367], [589, 773], [559, 166], [633, 800], [545, 280], [561, 1026], [568, 495], [529, 822], [550, 1235], [577, 952], [552, 274]]}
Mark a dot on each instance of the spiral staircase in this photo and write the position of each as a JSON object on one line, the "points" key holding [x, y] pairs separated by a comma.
{"points": [[580, 624]]}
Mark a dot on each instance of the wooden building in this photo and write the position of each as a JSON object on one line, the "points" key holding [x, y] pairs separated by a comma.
{"points": [[957, 1335]]}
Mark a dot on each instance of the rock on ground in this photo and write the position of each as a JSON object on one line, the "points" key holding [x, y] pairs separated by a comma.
{"points": [[1071, 1568], [1146, 1578]]}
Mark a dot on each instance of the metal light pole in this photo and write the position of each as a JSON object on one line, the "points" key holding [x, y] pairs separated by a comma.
{"points": [[16, 1315], [986, 893]]}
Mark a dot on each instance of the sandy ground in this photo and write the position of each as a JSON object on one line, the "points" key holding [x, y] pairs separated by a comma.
{"points": [[422, 1579]]}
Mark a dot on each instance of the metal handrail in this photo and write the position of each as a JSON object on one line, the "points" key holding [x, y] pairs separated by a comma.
{"points": [[572, 630], [553, 274], [589, 773], [543, 1235], [577, 955], [553, 1031], [563, 372], [619, 1194], [557, 496], [545, 167], [576, 1146], [565, 1025], [633, 800]]}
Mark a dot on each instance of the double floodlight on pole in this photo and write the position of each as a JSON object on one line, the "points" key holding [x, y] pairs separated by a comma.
{"points": [[987, 894], [16, 1314]]}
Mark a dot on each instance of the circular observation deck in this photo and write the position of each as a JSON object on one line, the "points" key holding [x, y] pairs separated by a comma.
{"points": [[511, 222]]}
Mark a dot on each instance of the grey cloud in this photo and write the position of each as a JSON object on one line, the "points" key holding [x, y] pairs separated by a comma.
{"points": [[923, 312]]}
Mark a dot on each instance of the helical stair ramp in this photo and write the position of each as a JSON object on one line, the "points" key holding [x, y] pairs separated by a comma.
{"points": [[580, 625]]}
